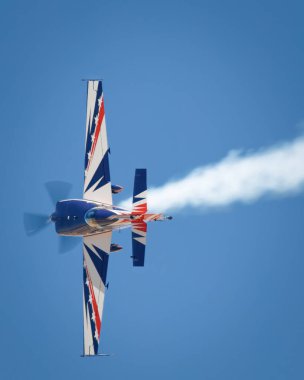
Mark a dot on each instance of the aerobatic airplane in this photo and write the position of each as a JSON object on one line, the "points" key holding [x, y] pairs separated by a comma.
{"points": [[95, 217]]}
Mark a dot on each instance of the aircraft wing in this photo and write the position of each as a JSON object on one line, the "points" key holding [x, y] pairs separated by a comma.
{"points": [[96, 250], [97, 183]]}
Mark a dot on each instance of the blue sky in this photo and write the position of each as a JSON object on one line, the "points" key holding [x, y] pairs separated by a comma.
{"points": [[185, 82]]}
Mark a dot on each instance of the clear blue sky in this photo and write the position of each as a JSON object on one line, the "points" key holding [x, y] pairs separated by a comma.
{"points": [[221, 295]]}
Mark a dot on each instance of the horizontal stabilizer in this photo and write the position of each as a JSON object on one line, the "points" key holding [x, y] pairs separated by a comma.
{"points": [[140, 192], [139, 237]]}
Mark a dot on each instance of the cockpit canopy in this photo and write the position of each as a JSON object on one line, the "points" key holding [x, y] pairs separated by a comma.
{"points": [[99, 217]]}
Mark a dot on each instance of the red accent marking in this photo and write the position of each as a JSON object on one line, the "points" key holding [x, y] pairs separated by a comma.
{"points": [[139, 225], [94, 303], [97, 130], [140, 209]]}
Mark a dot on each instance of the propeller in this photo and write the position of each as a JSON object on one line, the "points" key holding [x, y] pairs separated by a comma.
{"points": [[34, 223], [58, 190], [67, 243]]}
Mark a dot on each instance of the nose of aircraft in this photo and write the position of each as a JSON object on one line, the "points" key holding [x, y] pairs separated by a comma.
{"points": [[99, 217]]}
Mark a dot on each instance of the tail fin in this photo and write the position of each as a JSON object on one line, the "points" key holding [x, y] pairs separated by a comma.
{"points": [[140, 192]]}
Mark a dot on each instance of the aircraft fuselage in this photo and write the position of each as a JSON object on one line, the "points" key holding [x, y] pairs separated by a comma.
{"points": [[79, 217]]}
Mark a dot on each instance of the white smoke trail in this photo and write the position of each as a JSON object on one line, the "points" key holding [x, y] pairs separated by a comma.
{"points": [[277, 170]]}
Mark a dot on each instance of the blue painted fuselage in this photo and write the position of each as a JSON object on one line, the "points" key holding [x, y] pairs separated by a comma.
{"points": [[79, 217]]}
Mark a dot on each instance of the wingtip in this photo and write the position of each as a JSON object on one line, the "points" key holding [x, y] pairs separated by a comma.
{"points": [[92, 356]]}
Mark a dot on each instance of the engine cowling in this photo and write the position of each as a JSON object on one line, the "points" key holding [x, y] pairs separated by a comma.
{"points": [[116, 189]]}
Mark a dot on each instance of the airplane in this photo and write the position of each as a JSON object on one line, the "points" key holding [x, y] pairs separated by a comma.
{"points": [[94, 217]]}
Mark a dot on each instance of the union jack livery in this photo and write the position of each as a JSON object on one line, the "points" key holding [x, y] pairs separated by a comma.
{"points": [[94, 217]]}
